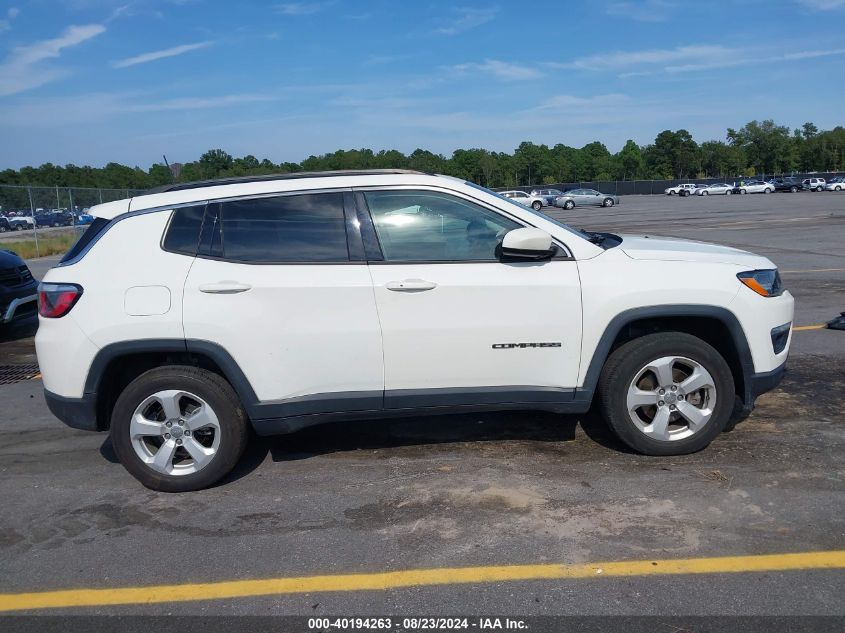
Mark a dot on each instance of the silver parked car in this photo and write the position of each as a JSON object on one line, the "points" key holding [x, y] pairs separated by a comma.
{"points": [[717, 189], [529, 200], [583, 197], [835, 184]]}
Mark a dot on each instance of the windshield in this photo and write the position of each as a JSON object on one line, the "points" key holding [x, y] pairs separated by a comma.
{"points": [[530, 210]]}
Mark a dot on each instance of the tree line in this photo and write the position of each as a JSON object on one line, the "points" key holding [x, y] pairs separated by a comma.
{"points": [[758, 148]]}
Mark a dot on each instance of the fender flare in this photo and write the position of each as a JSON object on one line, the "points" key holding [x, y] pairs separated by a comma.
{"points": [[723, 315]]}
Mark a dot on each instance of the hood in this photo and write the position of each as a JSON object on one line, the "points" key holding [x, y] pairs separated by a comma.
{"points": [[676, 249]]}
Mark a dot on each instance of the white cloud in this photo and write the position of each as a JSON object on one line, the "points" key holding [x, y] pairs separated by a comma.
{"points": [[162, 54], [684, 59], [646, 11], [22, 70], [467, 18], [571, 102], [823, 5], [302, 8], [505, 71]]}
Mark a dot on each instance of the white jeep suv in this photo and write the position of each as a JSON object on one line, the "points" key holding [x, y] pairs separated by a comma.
{"points": [[183, 317]]}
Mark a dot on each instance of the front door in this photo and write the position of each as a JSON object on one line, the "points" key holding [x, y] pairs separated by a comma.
{"points": [[458, 325]]}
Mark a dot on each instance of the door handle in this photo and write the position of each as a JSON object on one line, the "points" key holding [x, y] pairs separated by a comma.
{"points": [[224, 288], [411, 285]]}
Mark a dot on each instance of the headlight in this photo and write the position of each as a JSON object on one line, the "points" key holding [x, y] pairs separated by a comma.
{"points": [[764, 282]]}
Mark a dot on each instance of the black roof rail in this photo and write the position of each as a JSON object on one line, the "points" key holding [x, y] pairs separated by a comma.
{"points": [[199, 184]]}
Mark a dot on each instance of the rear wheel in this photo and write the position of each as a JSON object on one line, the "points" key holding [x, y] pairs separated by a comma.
{"points": [[837, 188], [178, 428], [668, 393], [608, 202], [767, 190], [728, 192], [793, 189], [568, 204], [743, 191], [705, 193], [671, 193], [536, 205]]}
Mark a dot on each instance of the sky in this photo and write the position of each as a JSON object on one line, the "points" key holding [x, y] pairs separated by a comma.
{"points": [[95, 81]]}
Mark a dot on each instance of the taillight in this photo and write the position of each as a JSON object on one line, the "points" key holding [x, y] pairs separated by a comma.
{"points": [[56, 300]]}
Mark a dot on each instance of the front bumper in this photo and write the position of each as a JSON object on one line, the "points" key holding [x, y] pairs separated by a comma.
{"points": [[25, 302], [761, 383], [77, 413]]}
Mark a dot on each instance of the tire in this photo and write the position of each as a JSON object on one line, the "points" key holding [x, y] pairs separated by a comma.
{"points": [[818, 189], [19, 227], [536, 205], [705, 193], [671, 193], [629, 362], [729, 192], [568, 205], [794, 189], [227, 439], [608, 202], [767, 190], [2, 229], [837, 188], [743, 191]]}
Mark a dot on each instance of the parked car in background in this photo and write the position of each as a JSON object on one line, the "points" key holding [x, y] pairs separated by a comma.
{"points": [[22, 223], [18, 289], [4, 225], [836, 184], [535, 202], [753, 186], [84, 219], [786, 184], [547, 193], [583, 197], [814, 184], [677, 189], [564, 201], [717, 189]]}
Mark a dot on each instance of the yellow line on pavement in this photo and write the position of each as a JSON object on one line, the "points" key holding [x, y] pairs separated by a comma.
{"points": [[801, 328], [415, 578], [813, 270]]}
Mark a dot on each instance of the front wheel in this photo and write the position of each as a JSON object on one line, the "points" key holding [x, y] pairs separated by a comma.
{"points": [[536, 205], [794, 189], [671, 193], [767, 190], [837, 188], [728, 192], [705, 193], [178, 428], [743, 191], [568, 205], [668, 393], [608, 202], [818, 189]]}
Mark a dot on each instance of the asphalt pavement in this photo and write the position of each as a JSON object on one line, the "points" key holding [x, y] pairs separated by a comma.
{"points": [[470, 495]]}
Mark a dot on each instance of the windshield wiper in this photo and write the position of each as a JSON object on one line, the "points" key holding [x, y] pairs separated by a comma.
{"points": [[595, 238]]}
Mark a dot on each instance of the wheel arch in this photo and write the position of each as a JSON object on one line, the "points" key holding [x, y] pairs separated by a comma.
{"points": [[715, 325], [117, 364]]}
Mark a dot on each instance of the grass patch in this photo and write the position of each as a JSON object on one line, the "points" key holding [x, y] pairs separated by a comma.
{"points": [[48, 245]]}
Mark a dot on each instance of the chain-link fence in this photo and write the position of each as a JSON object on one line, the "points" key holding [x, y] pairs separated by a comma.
{"points": [[26, 212]]}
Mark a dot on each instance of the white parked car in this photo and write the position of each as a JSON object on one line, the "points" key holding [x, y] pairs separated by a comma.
{"points": [[534, 201], [183, 317], [813, 184], [718, 189], [753, 186], [676, 190], [835, 184]]}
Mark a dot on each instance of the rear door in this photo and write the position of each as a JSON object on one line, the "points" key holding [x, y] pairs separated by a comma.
{"points": [[286, 292], [460, 326]]}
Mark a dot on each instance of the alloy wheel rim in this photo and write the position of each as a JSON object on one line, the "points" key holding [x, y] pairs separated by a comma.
{"points": [[671, 398], [175, 432]]}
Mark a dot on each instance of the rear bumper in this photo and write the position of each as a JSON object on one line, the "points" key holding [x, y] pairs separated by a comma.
{"points": [[77, 413]]}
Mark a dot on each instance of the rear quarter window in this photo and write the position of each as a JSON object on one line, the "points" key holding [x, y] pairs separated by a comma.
{"points": [[183, 231]]}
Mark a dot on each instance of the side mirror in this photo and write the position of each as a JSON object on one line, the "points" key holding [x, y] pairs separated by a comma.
{"points": [[527, 245]]}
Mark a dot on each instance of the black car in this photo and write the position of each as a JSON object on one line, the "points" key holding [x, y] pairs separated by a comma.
{"points": [[18, 288], [787, 184], [4, 225]]}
